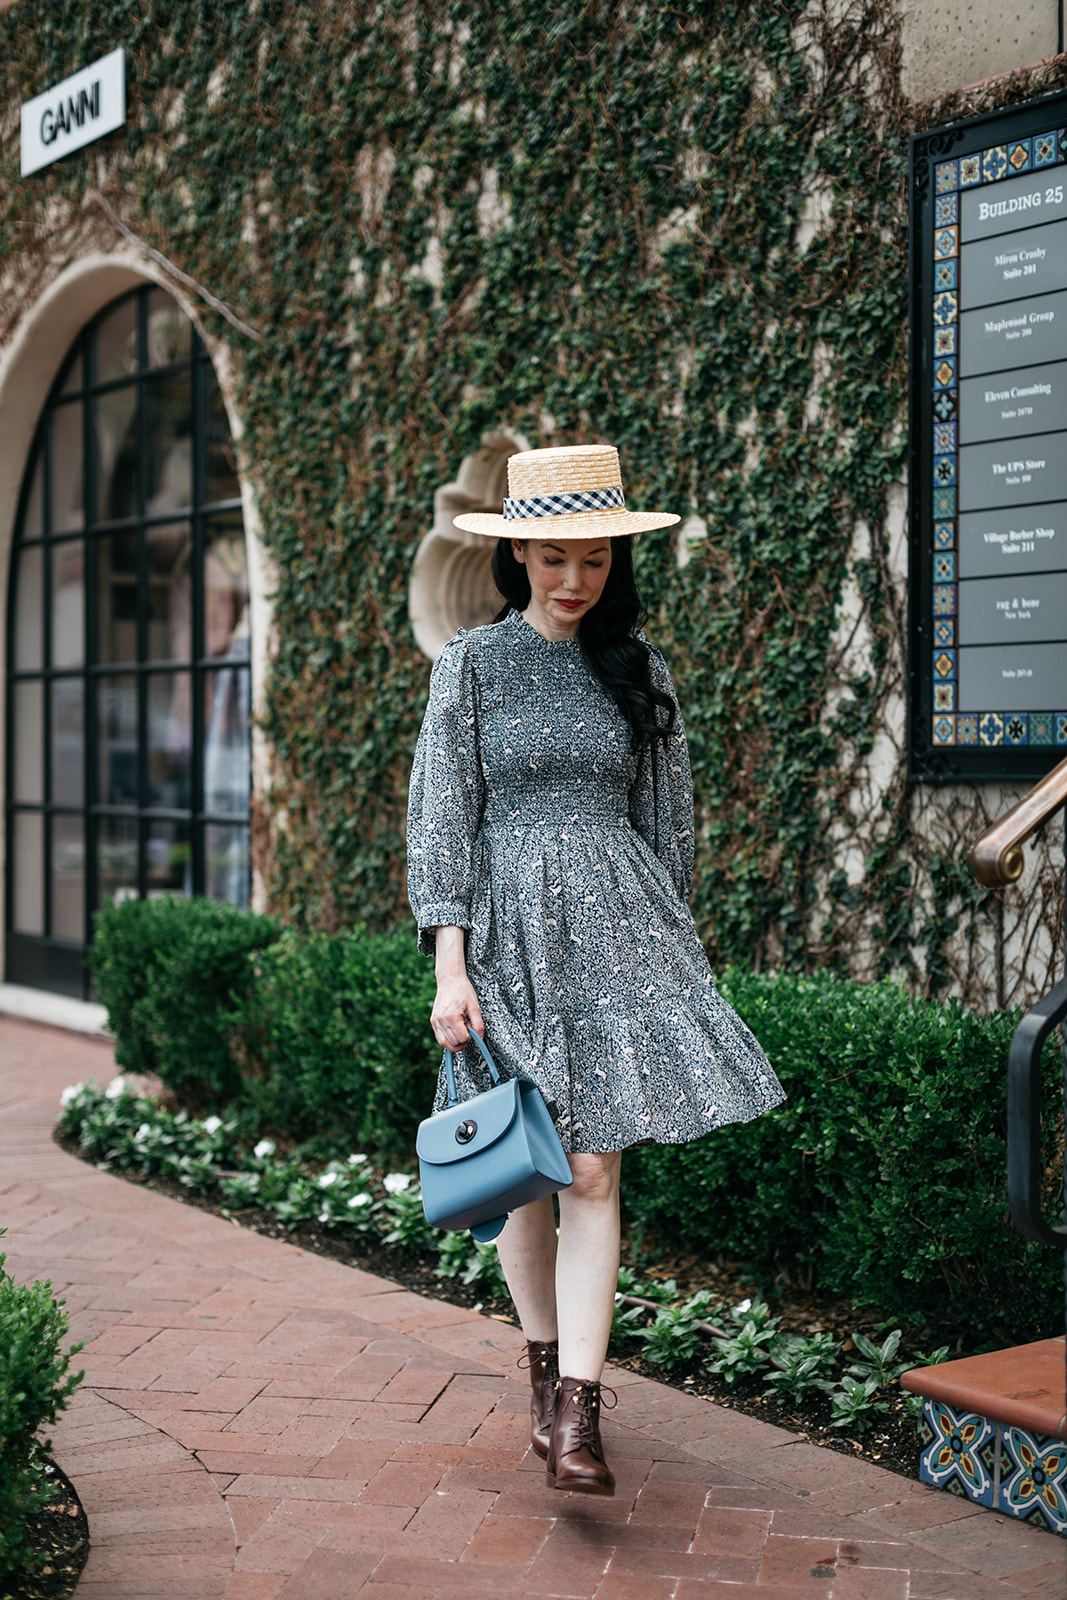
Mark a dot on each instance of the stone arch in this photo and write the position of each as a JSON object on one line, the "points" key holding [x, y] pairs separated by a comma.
{"points": [[451, 582]]}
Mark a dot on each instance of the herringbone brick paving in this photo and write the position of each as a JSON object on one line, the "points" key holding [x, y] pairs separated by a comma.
{"points": [[259, 1422]]}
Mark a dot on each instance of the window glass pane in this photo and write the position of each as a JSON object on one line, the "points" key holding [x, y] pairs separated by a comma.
{"points": [[68, 604], [116, 342], [68, 741], [74, 379], [29, 637], [168, 857], [222, 481], [33, 514], [116, 597], [68, 878], [226, 863], [28, 910], [116, 732], [227, 750], [116, 858], [169, 474], [28, 782], [68, 471], [170, 592], [225, 588], [170, 739], [170, 333], [115, 428]]}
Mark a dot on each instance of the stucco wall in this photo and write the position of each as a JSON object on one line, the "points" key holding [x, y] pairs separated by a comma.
{"points": [[948, 44]]}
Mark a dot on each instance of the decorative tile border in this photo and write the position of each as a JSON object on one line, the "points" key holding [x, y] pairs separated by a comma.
{"points": [[950, 727], [1010, 1470]]}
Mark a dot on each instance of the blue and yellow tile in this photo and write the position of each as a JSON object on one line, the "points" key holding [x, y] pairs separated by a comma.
{"points": [[944, 471], [1033, 1479], [944, 535], [945, 373], [952, 1456], [946, 308], [944, 504], [1045, 150], [995, 163], [944, 664], [1040, 727], [944, 568], [945, 633], [991, 729], [1061, 727], [944, 730], [1016, 728], [944, 275], [944, 436], [967, 729], [944, 599], [945, 404], [970, 171], [1020, 155], [946, 178], [946, 210], [944, 697], [946, 243]]}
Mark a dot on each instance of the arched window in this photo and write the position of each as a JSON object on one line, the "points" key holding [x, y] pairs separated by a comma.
{"points": [[128, 746]]}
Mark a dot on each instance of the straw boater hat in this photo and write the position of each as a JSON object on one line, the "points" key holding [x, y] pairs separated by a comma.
{"points": [[572, 493]]}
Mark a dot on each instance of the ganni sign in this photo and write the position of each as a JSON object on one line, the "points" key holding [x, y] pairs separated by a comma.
{"points": [[74, 113]]}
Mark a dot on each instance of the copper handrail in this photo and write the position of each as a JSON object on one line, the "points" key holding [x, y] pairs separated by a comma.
{"points": [[997, 858]]}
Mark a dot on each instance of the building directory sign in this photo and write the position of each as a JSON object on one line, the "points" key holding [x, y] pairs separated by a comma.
{"points": [[73, 113], [988, 479]]}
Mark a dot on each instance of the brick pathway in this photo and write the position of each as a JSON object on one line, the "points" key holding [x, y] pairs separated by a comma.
{"points": [[258, 1422]]}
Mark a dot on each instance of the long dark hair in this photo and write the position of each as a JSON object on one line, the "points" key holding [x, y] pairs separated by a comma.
{"points": [[617, 658]]}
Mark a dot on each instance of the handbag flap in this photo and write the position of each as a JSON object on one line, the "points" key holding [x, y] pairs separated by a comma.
{"points": [[491, 1115]]}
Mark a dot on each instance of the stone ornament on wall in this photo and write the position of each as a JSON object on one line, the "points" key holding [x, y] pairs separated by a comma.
{"points": [[451, 581]]}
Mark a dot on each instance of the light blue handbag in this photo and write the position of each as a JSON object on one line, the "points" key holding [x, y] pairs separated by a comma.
{"points": [[483, 1157]]}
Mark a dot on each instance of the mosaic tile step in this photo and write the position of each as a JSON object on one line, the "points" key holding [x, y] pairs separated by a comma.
{"points": [[993, 1431], [1025, 1386]]}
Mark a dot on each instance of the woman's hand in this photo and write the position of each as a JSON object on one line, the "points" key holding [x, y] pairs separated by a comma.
{"points": [[456, 1011]]}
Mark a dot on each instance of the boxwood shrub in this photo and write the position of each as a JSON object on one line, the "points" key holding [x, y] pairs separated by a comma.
{"points": [[34, 1387], [882, 1177]]}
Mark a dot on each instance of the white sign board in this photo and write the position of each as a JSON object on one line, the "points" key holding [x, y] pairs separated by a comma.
{"points": [[75, 112]]}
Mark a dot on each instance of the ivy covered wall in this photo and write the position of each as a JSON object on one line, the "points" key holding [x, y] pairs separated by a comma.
{"points": [[680, 228]]}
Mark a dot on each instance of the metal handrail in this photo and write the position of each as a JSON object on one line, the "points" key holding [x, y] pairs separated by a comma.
{"points": [[1024, 1118], [997, 858]]}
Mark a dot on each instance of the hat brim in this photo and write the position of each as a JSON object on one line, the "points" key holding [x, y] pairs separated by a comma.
{"points": [[578, 525]]}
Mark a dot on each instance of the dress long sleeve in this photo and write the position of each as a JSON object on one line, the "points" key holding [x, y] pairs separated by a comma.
{"points": [[661, 795], [446, 798]]}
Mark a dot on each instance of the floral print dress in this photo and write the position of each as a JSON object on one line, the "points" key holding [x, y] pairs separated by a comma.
{"points": [[568, 860]]}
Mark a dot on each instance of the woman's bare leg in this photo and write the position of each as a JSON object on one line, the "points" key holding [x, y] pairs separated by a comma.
{"points": [[587, 1264], [527, 1250]]}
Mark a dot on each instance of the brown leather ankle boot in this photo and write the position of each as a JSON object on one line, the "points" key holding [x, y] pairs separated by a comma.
{"points": [[575, 1453], [543, 1362]]}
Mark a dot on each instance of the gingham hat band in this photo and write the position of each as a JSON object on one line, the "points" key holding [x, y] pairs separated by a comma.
{"points": [[574, 502]]}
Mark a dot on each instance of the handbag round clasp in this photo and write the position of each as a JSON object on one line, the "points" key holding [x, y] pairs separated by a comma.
{"points": [[466, 1131]]}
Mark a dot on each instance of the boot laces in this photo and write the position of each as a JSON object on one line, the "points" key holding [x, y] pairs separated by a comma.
{"points": [[587, 1400]]}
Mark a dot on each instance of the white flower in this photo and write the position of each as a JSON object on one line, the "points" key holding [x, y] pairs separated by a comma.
{"points": [[116, 1088], [212, 1124], [328, 1179], [265, 1147], [743, 1306], [396, 1182], [70, 1094], [324, 1216], [358, 1200], [357, 1161], [144, 1132]]}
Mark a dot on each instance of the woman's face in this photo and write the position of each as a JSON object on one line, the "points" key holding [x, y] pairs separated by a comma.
{"points": [[566, 580]]}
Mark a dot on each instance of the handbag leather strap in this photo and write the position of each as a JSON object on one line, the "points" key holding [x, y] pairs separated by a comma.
{"points": [[450, 1076]]}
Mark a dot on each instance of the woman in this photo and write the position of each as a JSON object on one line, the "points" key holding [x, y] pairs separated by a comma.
{"points": [[550, 848]]}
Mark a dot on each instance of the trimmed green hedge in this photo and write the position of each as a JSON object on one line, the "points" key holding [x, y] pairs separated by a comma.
{"points": [[34, 1388], [882, 1177]]}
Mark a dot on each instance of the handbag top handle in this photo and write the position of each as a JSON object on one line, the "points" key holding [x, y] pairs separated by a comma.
{"points": [[450, 1076]]}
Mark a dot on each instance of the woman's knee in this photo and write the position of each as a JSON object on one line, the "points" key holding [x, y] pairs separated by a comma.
{"points": [[595, 1179]]}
